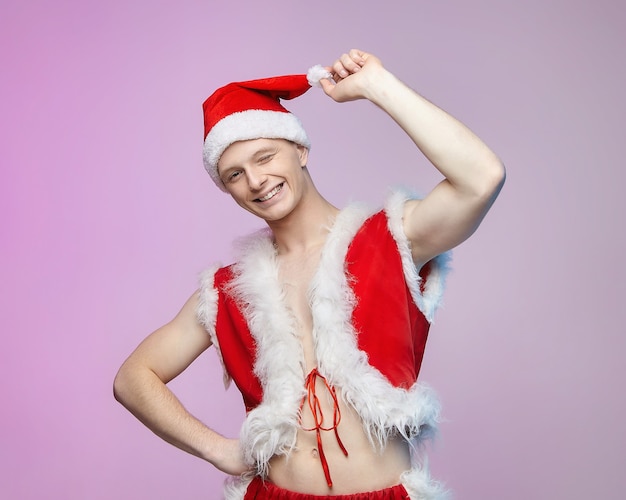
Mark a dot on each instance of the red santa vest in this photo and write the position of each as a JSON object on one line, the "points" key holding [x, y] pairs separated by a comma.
{"points": [[371, 312], [389, 326]]}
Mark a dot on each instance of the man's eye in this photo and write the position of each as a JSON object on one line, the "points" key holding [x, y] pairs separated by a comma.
{"points": [[265, 158], [234, 175]]}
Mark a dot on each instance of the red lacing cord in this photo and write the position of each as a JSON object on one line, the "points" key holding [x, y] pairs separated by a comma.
{"points": [[318, 417]]}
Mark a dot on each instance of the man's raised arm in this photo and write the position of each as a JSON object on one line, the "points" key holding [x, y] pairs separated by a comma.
{"points": [[474, 175]]}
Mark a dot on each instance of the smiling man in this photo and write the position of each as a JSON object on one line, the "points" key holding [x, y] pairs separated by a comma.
{"points": [[322, 320]]}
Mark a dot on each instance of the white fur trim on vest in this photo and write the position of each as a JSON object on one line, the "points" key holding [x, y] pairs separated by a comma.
{"points": [[429, 301], [270, 428], [385, 410], [206, 312], [235, 487], [420, 486]]}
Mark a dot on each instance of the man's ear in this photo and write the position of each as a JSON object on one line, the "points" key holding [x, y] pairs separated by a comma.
{"points": [[303, 154]]}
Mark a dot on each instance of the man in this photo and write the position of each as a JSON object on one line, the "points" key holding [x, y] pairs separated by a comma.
{"points": [[322, 321]]}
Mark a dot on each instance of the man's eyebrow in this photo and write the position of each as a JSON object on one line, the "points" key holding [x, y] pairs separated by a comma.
{"points": [[265, 150], [259, 152]]}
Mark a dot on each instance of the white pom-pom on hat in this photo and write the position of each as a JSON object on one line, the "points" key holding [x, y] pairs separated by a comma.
{"points": [[317, 73]]}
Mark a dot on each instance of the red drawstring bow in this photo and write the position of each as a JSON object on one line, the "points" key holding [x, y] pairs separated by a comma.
{"points": [[318, 417]]}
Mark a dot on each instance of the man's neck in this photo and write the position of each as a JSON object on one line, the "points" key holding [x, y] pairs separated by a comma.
{"points": [[306, 227]]}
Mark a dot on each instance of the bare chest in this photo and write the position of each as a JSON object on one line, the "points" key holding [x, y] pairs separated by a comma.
{"points": [[295, 274]]}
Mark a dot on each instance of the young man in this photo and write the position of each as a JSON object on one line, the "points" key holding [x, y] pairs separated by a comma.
{"points": [[323, 319]]}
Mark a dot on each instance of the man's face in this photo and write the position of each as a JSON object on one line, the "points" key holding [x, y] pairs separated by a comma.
{"points": [[265, 176]]}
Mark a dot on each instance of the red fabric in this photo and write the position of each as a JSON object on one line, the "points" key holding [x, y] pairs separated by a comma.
{"points": [[390, 327], [259, 490], [263, 94], [236, 343]]}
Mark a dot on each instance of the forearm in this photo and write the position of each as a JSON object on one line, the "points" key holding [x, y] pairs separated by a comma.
{"points": [[464, 159], [150, 400]]}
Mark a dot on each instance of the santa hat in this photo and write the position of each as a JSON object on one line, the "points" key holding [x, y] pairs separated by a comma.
{"points": [[252, 110]]}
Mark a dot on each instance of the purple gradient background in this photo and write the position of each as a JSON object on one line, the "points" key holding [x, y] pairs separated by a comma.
{"points": [[108, 217]]}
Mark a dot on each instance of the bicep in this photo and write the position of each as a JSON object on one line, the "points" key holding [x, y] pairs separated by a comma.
{"points": [[442, 220], [173, 347]]}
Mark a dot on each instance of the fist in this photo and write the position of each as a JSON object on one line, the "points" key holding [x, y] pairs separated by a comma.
{"points": [[352, 74]]}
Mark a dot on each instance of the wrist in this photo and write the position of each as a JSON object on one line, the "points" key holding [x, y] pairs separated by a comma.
{"points": [[380, 86], [210, 447]]}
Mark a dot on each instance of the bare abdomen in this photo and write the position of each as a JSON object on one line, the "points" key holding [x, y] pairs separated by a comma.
{"points": [[364, 469]]}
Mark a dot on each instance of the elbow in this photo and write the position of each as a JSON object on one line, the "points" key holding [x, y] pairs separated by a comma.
{"points": [[131, 383], [499, 178], [493, 179], [121, 385], [118, 387], [501, 173]]}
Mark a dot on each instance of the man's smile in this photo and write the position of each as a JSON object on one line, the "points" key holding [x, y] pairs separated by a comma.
{"points": [[271, 194]]}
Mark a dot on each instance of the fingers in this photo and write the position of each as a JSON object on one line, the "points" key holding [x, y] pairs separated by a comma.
{"points": [[348, 64], [327, 85], [341, 88]]}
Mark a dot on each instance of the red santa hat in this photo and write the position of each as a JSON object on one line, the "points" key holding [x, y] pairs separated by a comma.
{"points": [[241, 111]]}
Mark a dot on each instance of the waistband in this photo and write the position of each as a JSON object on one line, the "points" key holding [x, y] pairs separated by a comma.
{"points": [[265, 490]]}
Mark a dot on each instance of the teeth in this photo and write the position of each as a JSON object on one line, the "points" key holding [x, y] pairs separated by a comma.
{"points": [[271, 193]]}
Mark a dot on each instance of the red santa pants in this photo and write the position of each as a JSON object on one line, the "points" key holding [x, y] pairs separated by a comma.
{"points": [[259, 490]]}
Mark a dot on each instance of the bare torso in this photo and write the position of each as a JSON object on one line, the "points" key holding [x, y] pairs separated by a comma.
{"points": [[365, 468]]}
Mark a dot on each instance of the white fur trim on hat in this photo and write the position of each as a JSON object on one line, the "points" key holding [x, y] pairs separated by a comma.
{"points": [[246, 125]]}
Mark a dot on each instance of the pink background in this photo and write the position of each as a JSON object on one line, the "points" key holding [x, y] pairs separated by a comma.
{"points": [[108, 217]]}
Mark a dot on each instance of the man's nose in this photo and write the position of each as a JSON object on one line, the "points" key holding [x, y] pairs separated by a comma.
{"points": [[256, 180]]}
